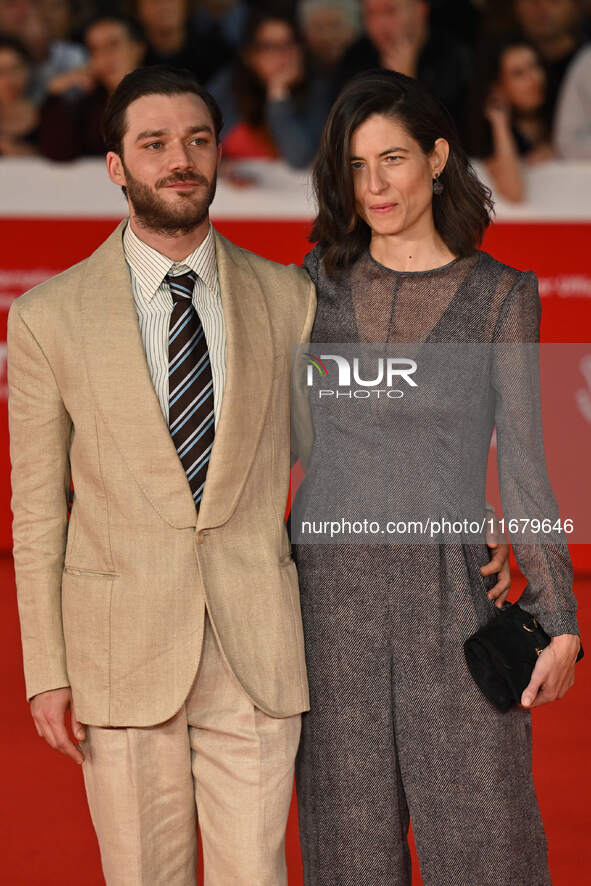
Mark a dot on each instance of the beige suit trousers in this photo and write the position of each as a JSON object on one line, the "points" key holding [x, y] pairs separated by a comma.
{"points": [[219, 760]]}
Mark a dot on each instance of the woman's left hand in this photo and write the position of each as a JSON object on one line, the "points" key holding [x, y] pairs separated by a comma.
{"points": [[281, 82], [554, 672], [499, 562]]}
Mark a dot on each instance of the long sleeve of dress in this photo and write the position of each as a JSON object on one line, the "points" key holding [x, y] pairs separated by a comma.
{"points": [[525, 487]]}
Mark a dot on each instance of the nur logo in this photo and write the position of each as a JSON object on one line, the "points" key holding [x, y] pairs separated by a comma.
{"points": [[387, 371], [314, 362]]}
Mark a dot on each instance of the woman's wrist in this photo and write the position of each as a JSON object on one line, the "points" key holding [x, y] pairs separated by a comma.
{"points": [[500, 125], [277, 93]]}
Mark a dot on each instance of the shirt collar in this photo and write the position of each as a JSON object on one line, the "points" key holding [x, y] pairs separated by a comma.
{"points": [[150, 267]]}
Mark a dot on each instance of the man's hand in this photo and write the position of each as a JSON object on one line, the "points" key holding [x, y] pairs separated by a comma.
{"points": [[78, 78], [554, 672], [499, 563], [48, 710]]}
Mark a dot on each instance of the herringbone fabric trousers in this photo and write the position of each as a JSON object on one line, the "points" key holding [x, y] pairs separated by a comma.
{"points": [[397, 728]]}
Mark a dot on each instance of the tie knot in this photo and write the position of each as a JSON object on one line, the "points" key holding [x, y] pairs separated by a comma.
{"points": [[181, 285]]}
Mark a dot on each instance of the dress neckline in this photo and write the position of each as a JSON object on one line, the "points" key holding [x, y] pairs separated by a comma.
{"points": [[427, 272]]}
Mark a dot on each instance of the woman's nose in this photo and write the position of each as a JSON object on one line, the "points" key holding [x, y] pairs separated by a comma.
{"points": [[376, 181]]}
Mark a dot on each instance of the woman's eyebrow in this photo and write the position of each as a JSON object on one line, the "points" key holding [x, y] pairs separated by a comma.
{"points": [[387, 151]]}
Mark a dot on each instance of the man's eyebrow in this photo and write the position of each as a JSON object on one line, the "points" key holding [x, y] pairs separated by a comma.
{"points": [[151, 133], [388, 151], [157, 133]]}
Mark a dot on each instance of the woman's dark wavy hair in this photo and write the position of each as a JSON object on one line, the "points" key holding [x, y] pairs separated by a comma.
{"points": [[461, 213]]}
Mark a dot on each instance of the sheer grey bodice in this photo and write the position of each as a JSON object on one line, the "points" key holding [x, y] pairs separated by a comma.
{"points": [[472, 300]]}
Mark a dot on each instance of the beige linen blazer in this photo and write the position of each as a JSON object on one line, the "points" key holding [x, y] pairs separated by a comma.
{"points": [[111, 603]]}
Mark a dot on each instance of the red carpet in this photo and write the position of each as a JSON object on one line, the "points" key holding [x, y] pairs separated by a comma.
{"points": [[47, 836]]}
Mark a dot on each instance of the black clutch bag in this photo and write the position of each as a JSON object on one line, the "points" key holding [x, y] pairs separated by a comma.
{"points": [[501, 655]]}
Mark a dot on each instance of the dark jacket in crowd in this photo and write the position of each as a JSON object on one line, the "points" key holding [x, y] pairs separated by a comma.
{"points": [[71, 128], [293, 124], [204, 56], [445, 67]]}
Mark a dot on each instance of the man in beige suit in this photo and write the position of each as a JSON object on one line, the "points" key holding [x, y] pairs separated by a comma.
{"points": [[163, 623]]}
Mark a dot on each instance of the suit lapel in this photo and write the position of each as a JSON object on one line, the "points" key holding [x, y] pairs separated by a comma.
{"points": [[122, 386], [249, 370], [125, 397]]}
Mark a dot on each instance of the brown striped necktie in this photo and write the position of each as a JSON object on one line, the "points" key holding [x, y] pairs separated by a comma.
{"points": [[190, 385]]}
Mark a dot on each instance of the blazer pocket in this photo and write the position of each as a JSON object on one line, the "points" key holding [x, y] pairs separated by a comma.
{"points": [[92, 573]]}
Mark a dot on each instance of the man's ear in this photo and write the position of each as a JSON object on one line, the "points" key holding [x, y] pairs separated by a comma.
{"points": [[219, 154], [115, 168]]}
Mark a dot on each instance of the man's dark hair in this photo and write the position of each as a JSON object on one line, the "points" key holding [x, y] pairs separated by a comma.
{"points": [[461, 213], [152, 80]]}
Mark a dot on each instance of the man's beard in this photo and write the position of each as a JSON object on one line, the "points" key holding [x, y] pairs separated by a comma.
{"points": [[156, 214]]}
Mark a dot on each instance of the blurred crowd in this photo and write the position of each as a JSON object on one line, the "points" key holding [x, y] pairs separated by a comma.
{"points": [[514, 74]]}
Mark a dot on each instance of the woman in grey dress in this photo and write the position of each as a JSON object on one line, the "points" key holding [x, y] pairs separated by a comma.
{"points": [[397, 728]]}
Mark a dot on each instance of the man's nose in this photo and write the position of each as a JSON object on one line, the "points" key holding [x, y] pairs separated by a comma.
{"points": [[179, 156]]}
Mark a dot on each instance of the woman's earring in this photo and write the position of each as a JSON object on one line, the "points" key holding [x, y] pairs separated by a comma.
{"points": [[437, 185]]}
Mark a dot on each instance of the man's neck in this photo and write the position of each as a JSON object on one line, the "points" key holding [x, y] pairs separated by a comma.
{"points": [[168, 40], [556, 48], [173, 247]]}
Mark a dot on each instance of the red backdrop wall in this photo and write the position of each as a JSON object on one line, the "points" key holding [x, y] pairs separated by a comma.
{"points": [[35, 248]]}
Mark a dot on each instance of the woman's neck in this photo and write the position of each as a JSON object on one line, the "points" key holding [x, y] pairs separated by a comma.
{"points": [[408, 253], [530, 124]]}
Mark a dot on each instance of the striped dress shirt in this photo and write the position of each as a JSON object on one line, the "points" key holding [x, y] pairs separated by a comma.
{"points": [[153, 303]]}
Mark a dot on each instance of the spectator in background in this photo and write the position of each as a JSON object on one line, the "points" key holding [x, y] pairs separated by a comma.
{"points": [[272, 105], [28, 21], [509, 122], [225, 19], [18, 19], [399, 39], [58, 17], [555, 29], [18, 114], [464, 18], [329, 27], [172, 39], [572, 120], [72, 128]]}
